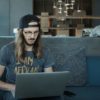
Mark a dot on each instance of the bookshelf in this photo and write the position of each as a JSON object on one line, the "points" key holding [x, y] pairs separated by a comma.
{"points": [[73, 25]]}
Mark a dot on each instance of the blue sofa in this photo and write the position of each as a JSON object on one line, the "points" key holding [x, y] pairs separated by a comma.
{"points": [[81, 56], [91, 90]]}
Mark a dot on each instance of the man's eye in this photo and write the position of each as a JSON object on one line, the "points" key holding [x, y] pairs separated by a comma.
{"points": [[36, 32], [25, 32], [28, 32]]}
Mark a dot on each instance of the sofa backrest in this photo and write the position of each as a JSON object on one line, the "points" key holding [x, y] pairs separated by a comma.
{"points": [[71, 54]]}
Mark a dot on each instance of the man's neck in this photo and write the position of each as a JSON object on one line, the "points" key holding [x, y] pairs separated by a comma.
{"points": [[28, 48]]}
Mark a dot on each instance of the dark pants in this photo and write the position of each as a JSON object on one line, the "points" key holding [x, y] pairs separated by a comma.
{"points": [[8, 96], [44, 98]]}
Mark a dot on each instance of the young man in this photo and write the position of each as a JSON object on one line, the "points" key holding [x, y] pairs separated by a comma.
{"points": [[24, 55]]}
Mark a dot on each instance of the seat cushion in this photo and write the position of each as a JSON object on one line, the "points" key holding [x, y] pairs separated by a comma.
{"points": [[75, 62], [69, 56], [84, 93]]}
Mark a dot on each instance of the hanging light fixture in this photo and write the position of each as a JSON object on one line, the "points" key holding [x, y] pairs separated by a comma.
{"points": [[61, 8]]}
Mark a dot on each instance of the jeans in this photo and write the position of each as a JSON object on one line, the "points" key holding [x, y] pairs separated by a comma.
{"points": [[9, 96]]}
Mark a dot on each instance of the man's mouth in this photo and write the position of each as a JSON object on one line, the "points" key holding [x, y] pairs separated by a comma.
{"points": [[31, 39]]}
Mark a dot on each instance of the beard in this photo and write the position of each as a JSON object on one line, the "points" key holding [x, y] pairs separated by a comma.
{"points": [[28, 43]]}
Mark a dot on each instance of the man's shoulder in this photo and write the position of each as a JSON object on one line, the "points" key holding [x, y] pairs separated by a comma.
{"points": [[10, 45]]}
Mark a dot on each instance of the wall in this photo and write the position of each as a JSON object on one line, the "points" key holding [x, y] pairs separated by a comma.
{"points": [[95, 11], [18, 8], [4, 17], [10, 13], [12, 10]]}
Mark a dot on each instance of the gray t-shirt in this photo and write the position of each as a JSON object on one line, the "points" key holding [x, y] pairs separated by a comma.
{"points": [[31, 65]]}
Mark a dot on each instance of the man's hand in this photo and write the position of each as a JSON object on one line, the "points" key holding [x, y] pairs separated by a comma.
{"points": [[13, 87]]}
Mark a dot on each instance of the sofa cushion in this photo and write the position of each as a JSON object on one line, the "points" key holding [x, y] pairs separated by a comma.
{"points": [[75, 62], [84, 93], [69, 55], [93, 63]]}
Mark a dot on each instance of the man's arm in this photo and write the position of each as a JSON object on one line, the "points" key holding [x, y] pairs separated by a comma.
{"points": [[4, 85]]}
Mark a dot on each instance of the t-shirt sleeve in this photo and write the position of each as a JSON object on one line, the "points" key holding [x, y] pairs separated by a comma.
{"points": [[3, 56], [49, 59]]}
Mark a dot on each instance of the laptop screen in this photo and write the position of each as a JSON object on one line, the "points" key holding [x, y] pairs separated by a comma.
{"points": [[29, 85]]}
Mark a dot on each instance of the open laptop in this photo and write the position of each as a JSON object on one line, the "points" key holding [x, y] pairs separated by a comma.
{"points": [[30, 85]]}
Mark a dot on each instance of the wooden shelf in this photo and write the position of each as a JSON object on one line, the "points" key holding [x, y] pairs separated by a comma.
{"points": [[77, 17], [62, 28], [83, 17], [71, 29]]}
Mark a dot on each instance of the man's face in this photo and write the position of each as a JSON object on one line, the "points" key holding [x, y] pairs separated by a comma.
{"points": [[30, 35]]}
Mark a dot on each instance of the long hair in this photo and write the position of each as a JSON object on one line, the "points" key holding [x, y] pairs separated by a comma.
{"points": [[20, 46]]}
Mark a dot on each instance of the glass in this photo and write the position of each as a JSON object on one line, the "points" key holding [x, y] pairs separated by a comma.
{"points": [[30, 32]]}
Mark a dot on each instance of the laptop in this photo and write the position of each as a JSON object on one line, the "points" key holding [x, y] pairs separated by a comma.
{"points": [[32, 85]]}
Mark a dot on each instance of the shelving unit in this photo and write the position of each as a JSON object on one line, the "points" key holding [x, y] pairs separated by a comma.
{"points": [[65, 28], [77, 17]]}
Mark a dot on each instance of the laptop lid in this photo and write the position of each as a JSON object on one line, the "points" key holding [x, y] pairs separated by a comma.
{"points": [[29, 85]]}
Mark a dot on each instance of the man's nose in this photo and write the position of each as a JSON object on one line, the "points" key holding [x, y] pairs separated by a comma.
{"points": [[32, 35]]}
